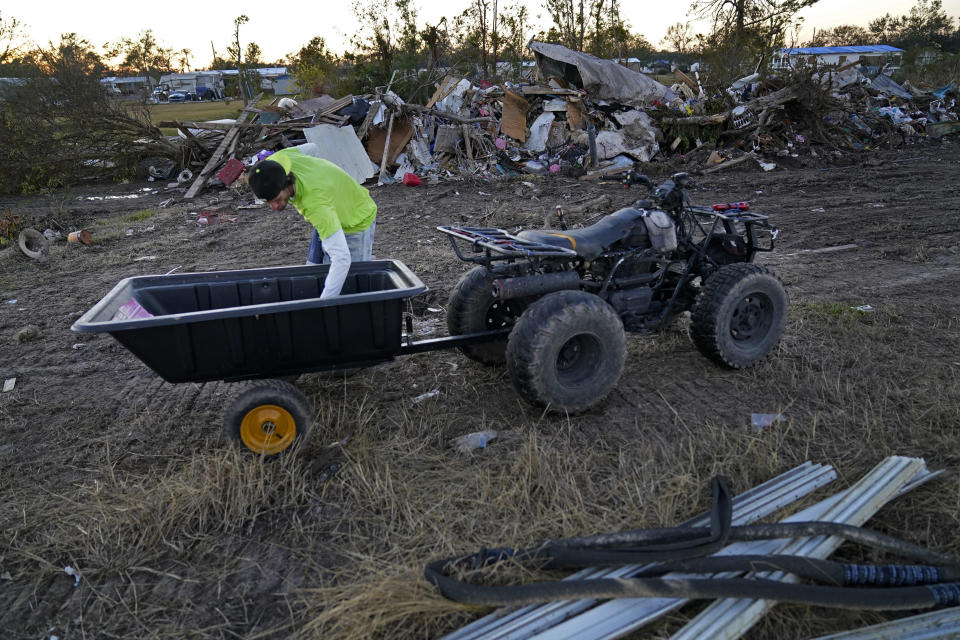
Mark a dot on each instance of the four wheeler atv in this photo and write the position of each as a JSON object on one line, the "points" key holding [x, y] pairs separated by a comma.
{"points": [[568, 295]]}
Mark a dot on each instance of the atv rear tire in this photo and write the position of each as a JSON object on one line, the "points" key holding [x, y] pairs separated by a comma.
{"points": [[472, 309], [567, 351], [740, 315], [269, 418]]}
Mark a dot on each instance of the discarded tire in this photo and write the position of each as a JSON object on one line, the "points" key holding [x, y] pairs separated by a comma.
{"points": [[270, 418], [567, 351], [472, 308], [740, 315]]}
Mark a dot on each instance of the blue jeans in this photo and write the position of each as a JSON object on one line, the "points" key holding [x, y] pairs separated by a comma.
{"points": [[359, 243]]}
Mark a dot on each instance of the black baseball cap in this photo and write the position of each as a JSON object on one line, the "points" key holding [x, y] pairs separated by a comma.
{"points": [[267, 178]]}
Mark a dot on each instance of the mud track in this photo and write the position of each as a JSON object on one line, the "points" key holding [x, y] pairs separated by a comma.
{"points": [[877, 229]]}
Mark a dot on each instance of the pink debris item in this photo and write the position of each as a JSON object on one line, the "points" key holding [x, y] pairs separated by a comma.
{"points": [[131, 310], [411, 179]]}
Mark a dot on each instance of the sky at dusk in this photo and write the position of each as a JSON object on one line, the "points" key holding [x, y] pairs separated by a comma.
{"points": [[282, 28]]}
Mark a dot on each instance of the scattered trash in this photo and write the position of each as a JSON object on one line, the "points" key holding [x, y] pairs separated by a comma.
{"points": [[50, 234], [216, 217], [9, 384], [28, 333], [78, 345], [142, 258], [70, 571], [762, 420], [230, 172], [714, 159], [131, 310], [411, 180], [475, 440], [13, 301], [864, 308], [568, 113], [161, 173], [82, 235], [818, 210], [425, 396], [32, 243]]}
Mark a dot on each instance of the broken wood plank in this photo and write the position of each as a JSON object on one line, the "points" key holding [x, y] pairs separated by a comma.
{"points": [[217, 158], [225, 126], [443, 90], [443, 114], [543, 91], [514, 121], [575, 113], [371, 114], [386, 151], [730, 163], [466, 142], [716, 118], [687, 80]]}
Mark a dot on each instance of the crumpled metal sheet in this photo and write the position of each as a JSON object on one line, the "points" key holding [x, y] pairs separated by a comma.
{"points": [[602, 79]]}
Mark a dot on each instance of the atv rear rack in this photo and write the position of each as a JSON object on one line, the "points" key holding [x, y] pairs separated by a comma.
{"points": [[490, 240]]}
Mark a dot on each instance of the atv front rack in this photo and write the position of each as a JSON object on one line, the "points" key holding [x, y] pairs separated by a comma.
{"points": [[492, 241]]}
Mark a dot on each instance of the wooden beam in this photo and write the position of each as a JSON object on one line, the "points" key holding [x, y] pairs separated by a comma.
{"points": [[217, 158], [543, 91], [687, 80], [222, 126]]}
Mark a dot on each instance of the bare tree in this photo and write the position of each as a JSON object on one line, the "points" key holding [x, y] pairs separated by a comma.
{"points": [[142, 56], [183, 59], [11, 39], [679, 37]]}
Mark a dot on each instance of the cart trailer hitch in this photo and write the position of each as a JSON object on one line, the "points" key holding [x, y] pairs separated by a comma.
{"points": [[451, 342]]}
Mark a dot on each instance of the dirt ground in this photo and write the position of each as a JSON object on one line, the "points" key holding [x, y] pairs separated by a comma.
{"points": [[877, 228]]}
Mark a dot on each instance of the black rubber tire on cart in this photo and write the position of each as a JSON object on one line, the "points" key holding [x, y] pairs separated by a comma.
{"points": [[269, 418], [740, 315], [567, 351], [472, 309]]}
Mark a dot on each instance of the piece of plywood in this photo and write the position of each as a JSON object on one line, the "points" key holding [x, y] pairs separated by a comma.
{"points": [[447, 138], [514, 121], [576, 115], [400, 135]]}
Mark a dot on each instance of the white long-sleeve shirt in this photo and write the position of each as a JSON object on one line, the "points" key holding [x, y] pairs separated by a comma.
{"points": [[336, 247]]}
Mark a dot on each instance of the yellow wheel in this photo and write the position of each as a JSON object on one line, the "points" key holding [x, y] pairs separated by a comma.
{"points": [[271, 418]]}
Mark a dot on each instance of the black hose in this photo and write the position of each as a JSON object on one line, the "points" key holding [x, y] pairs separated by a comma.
{"points": [[896, 598], [682, 550]]}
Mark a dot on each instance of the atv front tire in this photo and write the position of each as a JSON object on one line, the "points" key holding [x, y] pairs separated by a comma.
{"points": [[567, 351], [740, 315], [472, 309], [269, 418]]}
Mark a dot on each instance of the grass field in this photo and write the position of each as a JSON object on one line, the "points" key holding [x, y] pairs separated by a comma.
{"points": [[197, 111]]}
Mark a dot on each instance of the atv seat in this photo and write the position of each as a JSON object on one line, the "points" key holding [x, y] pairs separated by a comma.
{"points": [[595, 239]]}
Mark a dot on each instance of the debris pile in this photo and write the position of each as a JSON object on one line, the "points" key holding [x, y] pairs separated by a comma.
{"points": [[583, 116]]}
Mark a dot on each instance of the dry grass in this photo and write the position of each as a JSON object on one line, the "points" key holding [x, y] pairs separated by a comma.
{"points": [[292, 552]]}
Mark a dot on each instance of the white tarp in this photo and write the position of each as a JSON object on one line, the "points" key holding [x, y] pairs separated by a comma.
{"points": [[340, 146], [602, 79]]}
